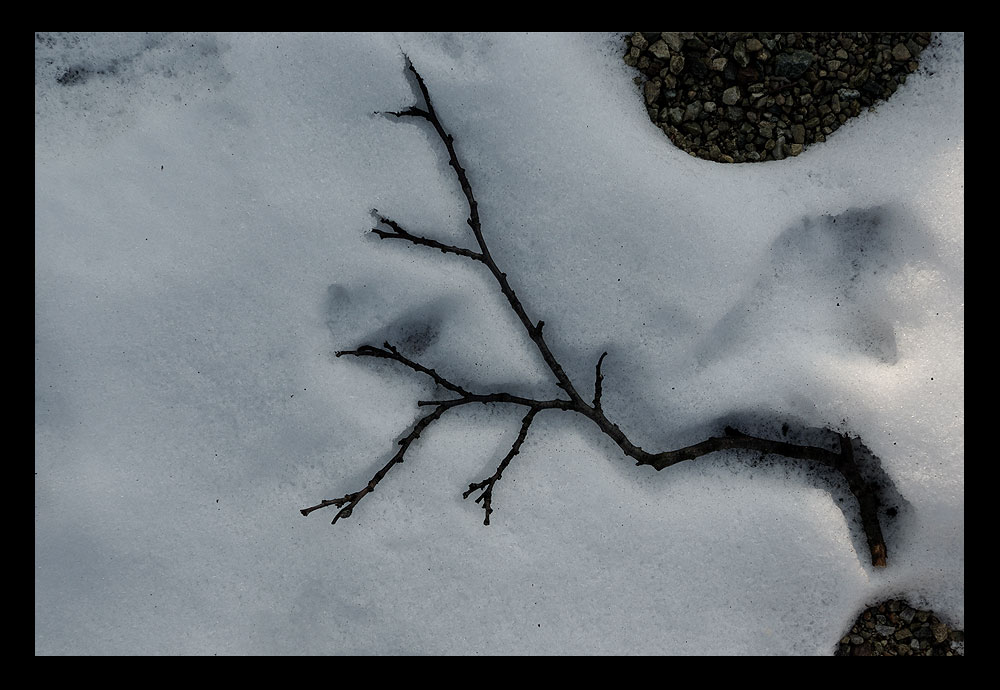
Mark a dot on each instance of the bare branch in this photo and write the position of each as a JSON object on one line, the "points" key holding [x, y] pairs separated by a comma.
{"points": [[391, 352], [868, 501], [505, 398], [534, 332], [412, 111], [399, 233], [486, 486], [737, 440], [844, 462], [348, 502]]}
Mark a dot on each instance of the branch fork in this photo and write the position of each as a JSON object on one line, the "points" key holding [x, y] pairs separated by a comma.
{"points": [[844, 461]]}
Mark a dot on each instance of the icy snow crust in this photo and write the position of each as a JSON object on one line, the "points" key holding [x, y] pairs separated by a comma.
{"points": [[202, 207]]}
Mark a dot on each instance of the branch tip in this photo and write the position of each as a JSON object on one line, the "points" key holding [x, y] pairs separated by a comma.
{"points": [[597, 383]]}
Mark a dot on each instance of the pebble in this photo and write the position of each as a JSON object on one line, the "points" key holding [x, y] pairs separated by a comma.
{"points": [[708, 91], [651, 90], [900, 52], [639, 41], [885, 630], [660, 50], [792, 65]]}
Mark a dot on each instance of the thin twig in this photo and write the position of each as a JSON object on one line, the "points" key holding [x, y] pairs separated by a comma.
{"points": [[348, 502], [391, 352], [399, 233], [597, 383], [486, 486]]}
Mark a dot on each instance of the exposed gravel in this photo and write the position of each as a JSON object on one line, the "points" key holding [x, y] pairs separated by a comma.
{"points": [[737, 97], [894, 628]]}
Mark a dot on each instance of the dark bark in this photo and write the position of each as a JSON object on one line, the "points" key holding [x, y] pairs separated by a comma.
{"points": [[844, 462]]}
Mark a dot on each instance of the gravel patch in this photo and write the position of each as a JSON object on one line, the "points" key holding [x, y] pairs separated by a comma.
{"points": [[894, 628], [736, 97]]}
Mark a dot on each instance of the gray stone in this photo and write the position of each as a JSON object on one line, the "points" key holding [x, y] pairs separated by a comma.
{"points": [[719, 64], [792, 65], [696, 44], [798, 134], [660, 50], [697, 67], [848, 94], [740, 54], [779, 149], [859, 79], [651, 90], [692, 111], [639, 41], [677, 64], [901, 52], [753, 45], [676, 115], [674, 40], [885, 630], [710, 106], [731, 96]]}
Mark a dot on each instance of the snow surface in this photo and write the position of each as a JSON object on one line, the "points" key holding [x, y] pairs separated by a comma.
{"points": [[202, 207]]}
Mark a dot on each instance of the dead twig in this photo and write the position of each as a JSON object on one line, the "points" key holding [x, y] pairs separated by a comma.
{"points": [[843, 461]]}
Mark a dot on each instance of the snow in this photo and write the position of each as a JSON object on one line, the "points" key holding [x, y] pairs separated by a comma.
{"points": [[202, 208]]}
